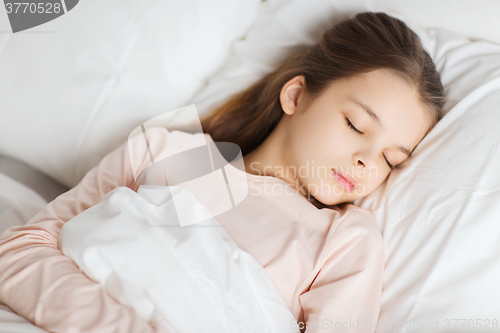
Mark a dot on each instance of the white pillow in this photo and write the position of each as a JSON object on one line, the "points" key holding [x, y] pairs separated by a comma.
{"points": [[73, 89], [281, 24], [474, 19], [438, 212]]}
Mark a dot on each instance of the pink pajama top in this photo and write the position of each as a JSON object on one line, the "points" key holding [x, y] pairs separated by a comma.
{"points": [[326, 262]]}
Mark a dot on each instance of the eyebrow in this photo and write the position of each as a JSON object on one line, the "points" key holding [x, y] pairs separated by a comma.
{"points": [[375, 118]]}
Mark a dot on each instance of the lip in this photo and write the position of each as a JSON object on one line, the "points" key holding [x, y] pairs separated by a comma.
{"points": [[345, 180]]}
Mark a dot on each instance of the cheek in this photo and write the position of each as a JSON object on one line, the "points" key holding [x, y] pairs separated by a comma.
{"points": [[326, 142], [341, 143], [332, 147], [375, 179]]}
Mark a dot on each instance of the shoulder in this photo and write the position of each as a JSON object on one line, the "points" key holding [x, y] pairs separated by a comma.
{"points": [[161, 142], [360, 226], [163, 136], [355, 249], [148, 145]]}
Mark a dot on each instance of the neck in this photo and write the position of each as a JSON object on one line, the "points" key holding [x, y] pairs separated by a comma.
{"points": [[268, 158]]}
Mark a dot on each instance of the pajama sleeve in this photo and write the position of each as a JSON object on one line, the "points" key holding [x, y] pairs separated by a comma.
{"points": [[43, 285], [346, 293]]}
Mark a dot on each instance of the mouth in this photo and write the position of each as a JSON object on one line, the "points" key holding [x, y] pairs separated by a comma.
{"points": [[345, 180]]}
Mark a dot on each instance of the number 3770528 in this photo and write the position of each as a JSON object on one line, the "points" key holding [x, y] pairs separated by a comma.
{"points": [[27, 7]]}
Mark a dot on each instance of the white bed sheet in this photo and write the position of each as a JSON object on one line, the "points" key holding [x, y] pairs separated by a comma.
{"points": [[162, 253], [10, 322], [18, 203], [72, 89]]}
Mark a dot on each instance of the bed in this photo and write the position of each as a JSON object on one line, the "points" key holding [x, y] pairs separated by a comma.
{"points": [[69, 96]]}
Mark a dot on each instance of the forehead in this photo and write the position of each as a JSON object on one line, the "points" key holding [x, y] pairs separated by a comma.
{"points": [[398, 105]]}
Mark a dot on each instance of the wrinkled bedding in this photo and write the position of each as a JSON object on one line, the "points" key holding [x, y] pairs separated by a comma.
{"points": [[187, 279]]}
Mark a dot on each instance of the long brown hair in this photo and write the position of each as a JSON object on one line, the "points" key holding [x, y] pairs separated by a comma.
{"points": [[367, 42]]}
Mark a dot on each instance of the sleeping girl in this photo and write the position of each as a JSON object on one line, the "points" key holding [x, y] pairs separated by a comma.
{"points": [[325, 128]]}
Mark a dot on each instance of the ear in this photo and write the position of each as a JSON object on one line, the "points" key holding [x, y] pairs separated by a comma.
{"points": [[290, 94]]}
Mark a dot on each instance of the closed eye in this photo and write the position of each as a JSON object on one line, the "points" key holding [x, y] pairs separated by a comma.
{"points": [[352, 127], [389, 164], [359, 132]]}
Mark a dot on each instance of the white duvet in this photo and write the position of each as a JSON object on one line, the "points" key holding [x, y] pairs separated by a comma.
{"points": [[187, 279]]}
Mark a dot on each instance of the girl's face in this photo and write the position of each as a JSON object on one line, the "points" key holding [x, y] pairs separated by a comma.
{"points": [[356, 129]]}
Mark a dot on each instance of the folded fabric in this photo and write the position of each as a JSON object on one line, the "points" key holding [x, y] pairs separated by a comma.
{"points": [[187, 279]]}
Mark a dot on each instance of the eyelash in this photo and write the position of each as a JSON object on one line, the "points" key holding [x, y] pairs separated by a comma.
{"points": [[352, 126], [359, 132]]}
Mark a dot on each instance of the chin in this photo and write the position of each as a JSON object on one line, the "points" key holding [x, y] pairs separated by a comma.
{"points": [[327, 198], [329, 201]]}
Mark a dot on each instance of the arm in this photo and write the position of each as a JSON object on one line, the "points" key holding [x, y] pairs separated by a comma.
{"points": [[348, 288], [43, 285]]}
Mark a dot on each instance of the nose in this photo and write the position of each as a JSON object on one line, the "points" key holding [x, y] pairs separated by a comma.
{"points": [[364, 163], [361, 161]]}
